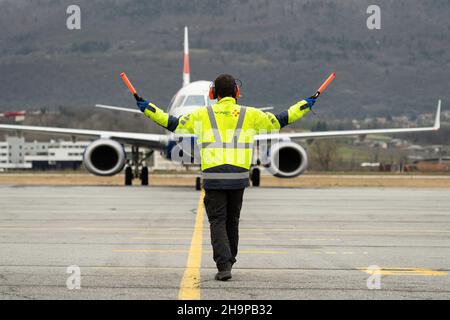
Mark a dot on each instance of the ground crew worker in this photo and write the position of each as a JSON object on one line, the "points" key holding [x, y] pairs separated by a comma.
{"points": [[225, 134]]}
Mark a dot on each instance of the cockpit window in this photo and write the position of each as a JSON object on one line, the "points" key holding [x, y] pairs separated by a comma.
{"points": [[190, 101], [194, 101]]}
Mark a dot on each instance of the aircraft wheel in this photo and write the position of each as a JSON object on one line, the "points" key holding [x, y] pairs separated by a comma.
{"points": [[128, 176], [144, 176], [255, 177], [198, 183]]}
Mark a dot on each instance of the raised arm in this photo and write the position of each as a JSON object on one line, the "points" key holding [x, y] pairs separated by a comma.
{"points": [[269, 121], [184, 124]]}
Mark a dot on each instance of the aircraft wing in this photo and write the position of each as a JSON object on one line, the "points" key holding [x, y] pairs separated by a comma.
{"points": [[343, 133], [266, 108], [158, 141], [263, 108], [154, 141], [102, 106]]}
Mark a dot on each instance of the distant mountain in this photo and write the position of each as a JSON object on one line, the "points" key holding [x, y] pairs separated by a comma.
{"points": [[281, 50]]}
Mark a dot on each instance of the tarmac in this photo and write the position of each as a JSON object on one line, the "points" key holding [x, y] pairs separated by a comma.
{"points": [[153, 243]]}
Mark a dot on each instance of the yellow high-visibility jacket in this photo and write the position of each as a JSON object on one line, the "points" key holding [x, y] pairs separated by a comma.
{"points": [[225, 135]]}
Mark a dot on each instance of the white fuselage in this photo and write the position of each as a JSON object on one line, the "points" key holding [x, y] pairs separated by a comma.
{"points": [[190, 97]]}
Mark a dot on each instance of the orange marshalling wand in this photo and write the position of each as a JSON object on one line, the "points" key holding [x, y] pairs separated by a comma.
{"points": [[130, 86], [324, 85]]}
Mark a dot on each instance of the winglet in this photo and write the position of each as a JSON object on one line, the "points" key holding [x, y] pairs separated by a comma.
{"points": [[437, 121]]}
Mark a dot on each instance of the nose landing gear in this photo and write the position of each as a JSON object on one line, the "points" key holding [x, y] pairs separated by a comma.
{"points": [[137, 168]]}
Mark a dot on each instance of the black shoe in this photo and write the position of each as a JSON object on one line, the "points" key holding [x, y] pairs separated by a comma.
{"points": [[223, 275]]}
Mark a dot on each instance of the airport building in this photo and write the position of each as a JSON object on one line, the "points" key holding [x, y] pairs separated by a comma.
{"points": [[16, 153]]}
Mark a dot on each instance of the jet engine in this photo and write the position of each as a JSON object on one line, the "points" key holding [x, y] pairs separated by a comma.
{"points": [[104, 157], [287, 159]]}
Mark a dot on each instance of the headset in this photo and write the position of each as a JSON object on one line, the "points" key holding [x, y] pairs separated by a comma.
{"points": [[236, 91]]}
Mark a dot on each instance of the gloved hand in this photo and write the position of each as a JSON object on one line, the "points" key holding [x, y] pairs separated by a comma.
{"points": [[310, 101], [142, 104]]}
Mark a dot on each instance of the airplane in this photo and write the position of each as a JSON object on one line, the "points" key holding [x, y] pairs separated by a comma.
{"points": [[283, 155]]}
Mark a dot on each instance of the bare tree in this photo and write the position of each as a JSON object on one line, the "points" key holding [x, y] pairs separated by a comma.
{"points": [[324, 153]]}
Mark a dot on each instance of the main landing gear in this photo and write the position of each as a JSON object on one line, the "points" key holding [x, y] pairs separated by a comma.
{"points": [[136, 168]]}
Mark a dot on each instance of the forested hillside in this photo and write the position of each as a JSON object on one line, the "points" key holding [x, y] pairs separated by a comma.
{"points": [[282, 50]]}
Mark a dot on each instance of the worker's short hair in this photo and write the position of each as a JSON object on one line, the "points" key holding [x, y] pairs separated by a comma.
{"points": [[225, 85]]}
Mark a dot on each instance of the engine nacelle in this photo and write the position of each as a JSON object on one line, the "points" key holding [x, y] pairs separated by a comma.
{"points": [[104, 157], [287, 159]]}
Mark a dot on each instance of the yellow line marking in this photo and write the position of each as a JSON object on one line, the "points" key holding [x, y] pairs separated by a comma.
{"points": [[190, 283], [404, 272]]}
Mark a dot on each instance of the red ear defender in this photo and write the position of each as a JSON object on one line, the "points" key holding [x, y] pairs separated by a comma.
{"points": [[238, 91], [237, 88], [211, 93]]}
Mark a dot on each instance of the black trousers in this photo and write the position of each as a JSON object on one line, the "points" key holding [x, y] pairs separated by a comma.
{"points": [[223, 208]]}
